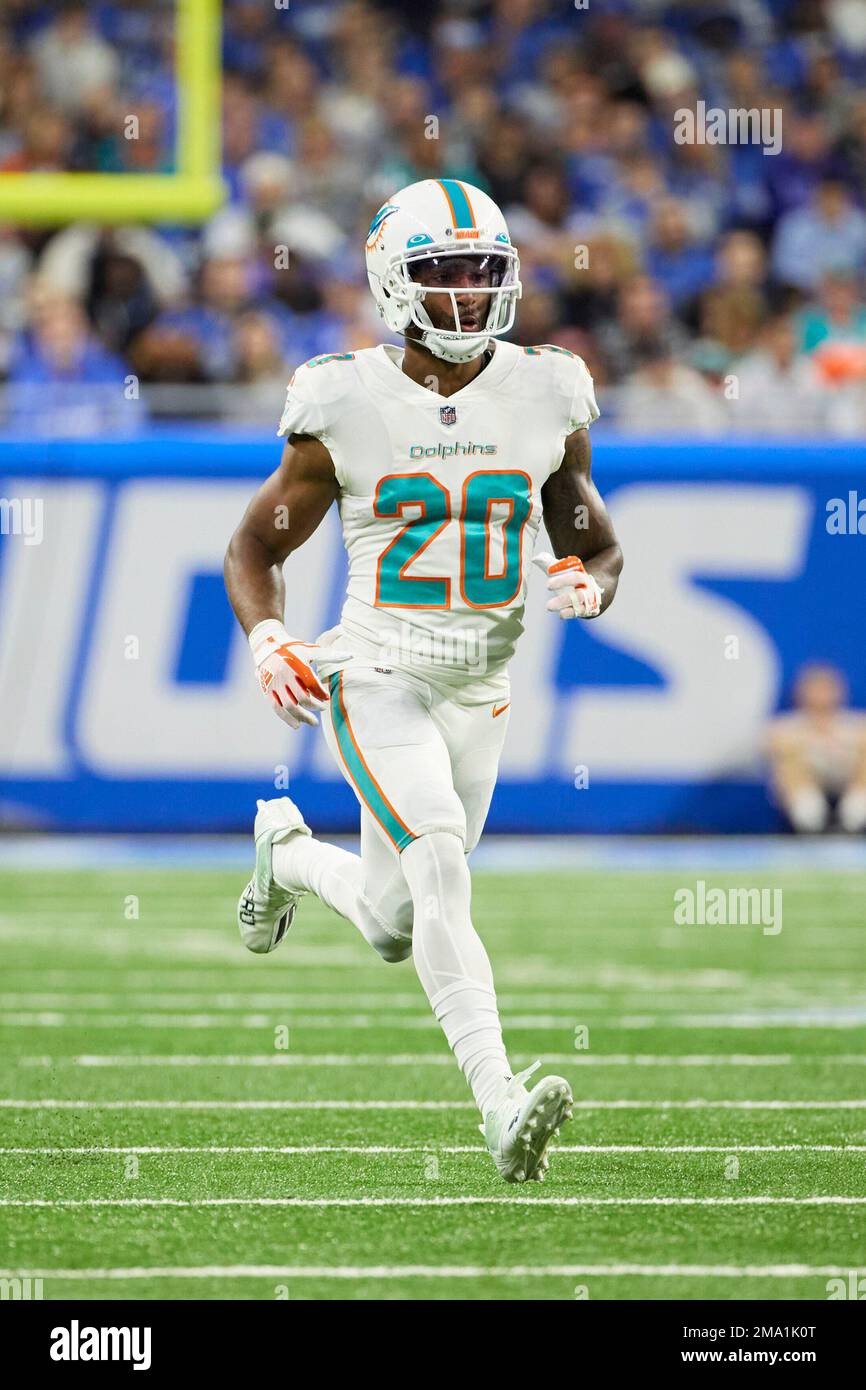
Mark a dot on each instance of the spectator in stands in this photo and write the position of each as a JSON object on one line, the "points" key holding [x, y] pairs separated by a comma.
{"points": [[276, 211], [260, 369], [540, 223], [329, 178], [590, 300], [632, 192], [167, 354], [731, 318], [663, 396], [45, 145], [120, 299], [542, 323], [851, 146], [15, 263], [681, 264], [567, 119], [68, 262], [805, 161], [62, 382], [504, 156], [139, 146], [701, 183], [836, 321], [829, 234], [73, 61], [817, 755], [643, 312], [730, 313], [225, 292], [741, 262], [779, 390], [249, 129], [847, 21]]}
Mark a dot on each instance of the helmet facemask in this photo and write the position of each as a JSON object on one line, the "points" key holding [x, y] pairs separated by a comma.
{"points": [[407, 283]]}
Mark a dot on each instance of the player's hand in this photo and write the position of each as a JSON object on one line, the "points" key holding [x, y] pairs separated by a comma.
{"points": [[575, 593], [285, 673]]}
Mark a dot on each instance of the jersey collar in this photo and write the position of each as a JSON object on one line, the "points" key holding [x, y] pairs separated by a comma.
{"points": [[387, 359]]}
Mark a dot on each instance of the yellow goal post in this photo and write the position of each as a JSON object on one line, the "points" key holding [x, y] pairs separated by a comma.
{"points": [[190, 194]]}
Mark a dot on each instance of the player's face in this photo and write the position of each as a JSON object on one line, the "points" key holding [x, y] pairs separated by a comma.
{"points": [[471, 277]]}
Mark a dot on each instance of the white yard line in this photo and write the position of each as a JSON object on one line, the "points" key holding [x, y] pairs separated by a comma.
{"points": [[697, 1103], [628, 995], [564, 1022], [432, 1148], [496, 854], [117, 939], [797, 1271], [551, 1000], [428, 1059], [463, 1201], [204, 985]]}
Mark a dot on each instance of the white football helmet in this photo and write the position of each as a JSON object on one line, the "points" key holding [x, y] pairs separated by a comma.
{"points": [[438, 219]]}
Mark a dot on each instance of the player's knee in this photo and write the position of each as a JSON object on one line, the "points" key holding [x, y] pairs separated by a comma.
{"points": [[398, 933], [390, 934], [393, 949], [434, 858]]}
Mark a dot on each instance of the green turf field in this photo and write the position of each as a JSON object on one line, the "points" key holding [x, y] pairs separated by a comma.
{"points": [[163, 1138]]}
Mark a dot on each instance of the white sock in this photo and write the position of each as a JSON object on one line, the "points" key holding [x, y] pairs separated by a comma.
{"points": [[808, 810], [852, 810], [337, 879], [452, 963]]}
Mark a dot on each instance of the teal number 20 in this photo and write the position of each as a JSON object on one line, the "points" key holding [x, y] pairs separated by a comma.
{"points": [[481, 492]]}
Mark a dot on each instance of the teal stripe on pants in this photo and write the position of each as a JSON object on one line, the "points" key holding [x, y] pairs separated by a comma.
{"points": [[368, 789]]}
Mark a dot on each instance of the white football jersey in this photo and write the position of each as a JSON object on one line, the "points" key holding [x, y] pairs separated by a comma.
{"points": [[440, 497]]}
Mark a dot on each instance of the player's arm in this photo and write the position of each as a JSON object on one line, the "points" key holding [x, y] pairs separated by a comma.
{"points": [[585, 571], [283, 514]]}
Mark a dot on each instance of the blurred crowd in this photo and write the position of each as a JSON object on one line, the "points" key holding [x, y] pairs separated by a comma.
{"points": [[711, 288]]}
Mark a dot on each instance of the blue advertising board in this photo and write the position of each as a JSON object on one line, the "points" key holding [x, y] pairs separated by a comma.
{"points": [[126, 688]]}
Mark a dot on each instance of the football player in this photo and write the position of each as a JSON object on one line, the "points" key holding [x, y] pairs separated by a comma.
{"points": [[442, 455]]}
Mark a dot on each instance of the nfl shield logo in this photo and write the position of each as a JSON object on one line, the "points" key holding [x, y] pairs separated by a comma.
{"points": [[448, 414]]}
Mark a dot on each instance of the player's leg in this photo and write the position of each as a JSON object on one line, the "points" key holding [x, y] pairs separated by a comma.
{"points": [[386, 741], [450, 957], [452, 964], [475, 735], [398, 761], [518, 1123], [368, 889]]}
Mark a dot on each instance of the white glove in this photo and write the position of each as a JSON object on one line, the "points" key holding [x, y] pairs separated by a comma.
{"points": [[575, 593], [286, 678]]}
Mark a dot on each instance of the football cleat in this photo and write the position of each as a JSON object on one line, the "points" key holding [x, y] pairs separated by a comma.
{"points": [[521, 1124], [266, 909]]}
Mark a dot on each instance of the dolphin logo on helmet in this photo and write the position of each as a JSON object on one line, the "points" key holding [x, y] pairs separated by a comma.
{"points": [[441, 219]]}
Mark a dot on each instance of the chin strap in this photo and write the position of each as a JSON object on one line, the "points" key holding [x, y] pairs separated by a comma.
{"points": [[450, 352]]}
